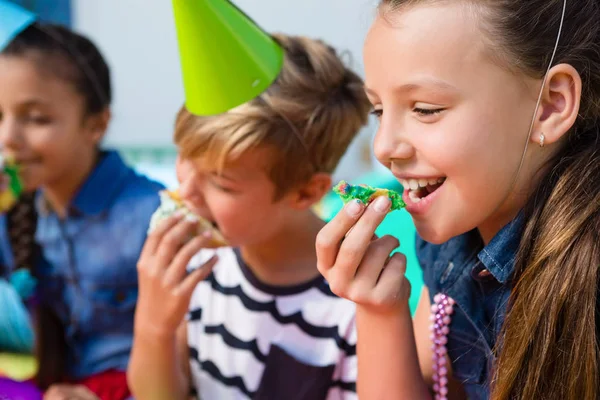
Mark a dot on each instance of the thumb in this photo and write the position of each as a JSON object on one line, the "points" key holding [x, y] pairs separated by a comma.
{"points": [[191, 281]]}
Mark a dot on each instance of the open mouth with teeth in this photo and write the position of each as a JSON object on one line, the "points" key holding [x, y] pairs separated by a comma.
{"points": [[419, 189]]}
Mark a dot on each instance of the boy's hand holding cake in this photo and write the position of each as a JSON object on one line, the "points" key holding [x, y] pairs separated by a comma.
{"points": [[171, 204]]}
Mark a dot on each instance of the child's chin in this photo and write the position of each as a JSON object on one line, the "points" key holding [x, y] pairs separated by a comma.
{"points": [[29, 186], [432, 233]]}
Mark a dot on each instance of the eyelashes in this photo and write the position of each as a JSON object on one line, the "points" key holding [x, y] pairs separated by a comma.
{"points": [[420, 111], [377, 113]]}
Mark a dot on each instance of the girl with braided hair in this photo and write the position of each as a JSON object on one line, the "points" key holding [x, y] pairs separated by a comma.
{"points": [[80, 228]]}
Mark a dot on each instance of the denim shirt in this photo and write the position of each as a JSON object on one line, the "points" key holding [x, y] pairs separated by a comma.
{"points": [[88, 273], [477, 277]]}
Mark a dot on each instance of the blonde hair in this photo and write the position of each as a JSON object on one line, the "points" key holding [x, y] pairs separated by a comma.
{"points": [[307, 117]]}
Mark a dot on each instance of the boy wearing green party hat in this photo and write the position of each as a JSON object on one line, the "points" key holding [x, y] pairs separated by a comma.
{"points": [[254, 318]]}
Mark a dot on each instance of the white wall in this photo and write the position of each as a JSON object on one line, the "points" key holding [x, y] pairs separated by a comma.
{"points": [[139, 42], [138, 38]]}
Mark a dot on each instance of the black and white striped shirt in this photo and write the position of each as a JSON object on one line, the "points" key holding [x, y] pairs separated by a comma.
{"points": [[248, 339]]}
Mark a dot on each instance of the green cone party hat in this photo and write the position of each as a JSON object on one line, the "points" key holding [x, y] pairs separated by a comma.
{"points": [[226, 59]]}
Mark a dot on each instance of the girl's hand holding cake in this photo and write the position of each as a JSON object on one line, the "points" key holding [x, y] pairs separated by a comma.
{"points": [[357, 265]]}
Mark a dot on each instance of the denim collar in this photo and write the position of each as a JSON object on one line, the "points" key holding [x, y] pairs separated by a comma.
{"points": [[98, 190], [499, 255]]}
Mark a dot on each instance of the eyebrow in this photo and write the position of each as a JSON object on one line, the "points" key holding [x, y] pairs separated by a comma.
{"points": [[412, 86], [34, 103]]}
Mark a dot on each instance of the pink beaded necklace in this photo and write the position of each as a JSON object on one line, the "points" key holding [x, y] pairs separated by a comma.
{"points": [[441, 311]]}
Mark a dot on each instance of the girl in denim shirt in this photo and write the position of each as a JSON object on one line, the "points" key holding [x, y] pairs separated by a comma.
{"points": [[489, 116], [92, 211]]}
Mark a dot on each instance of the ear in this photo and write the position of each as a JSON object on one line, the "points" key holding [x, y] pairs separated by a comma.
{"points": [[311, 192], [559, 105], [97, 125]]}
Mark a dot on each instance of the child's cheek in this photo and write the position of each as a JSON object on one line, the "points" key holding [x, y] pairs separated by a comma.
{"points": [[227, 216]]}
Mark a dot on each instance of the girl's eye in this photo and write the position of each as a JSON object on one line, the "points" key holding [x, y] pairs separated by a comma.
{"points": [[377, 113], [38, 119], [427, 111]]}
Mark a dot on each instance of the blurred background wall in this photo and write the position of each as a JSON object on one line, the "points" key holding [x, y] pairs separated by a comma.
{"points": [[138, 39]]}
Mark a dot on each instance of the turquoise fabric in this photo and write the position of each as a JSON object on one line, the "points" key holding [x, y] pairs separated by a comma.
{"points": [[24, 283], [16, 331]]}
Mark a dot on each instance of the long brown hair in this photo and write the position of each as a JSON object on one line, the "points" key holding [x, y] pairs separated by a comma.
{"points": [[21, 221], [549, 345]]}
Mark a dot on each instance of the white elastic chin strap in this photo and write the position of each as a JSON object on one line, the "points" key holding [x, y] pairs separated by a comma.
{"points": [[539, 100]]}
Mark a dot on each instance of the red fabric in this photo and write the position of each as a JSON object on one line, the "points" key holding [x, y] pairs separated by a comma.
{"points": [[109, 385]]}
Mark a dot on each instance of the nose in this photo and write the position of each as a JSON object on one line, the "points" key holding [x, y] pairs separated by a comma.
{"points": [[187, 188], [391, 143], [190, 189], [10, 133]]}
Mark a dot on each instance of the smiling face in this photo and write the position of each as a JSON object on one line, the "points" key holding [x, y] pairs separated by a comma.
{"points": [[453, 123], [239, 200], [42, 124]]}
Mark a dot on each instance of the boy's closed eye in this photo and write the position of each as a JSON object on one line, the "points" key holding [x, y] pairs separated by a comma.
{"points": [[222, 184]]}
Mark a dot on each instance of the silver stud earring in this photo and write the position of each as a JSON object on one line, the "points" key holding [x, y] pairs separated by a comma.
{"points": [[542, 138]]}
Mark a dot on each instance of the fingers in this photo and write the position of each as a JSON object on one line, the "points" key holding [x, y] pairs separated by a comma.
{"points": [[83, 393], [356, 263], [53, 393], [69, 392], [56, 392], [375, 261], [191, 281], [354, 217], [358, 287], [177, 270], [352, 249], [156, 235], [173, 241], [330, 237], [392, 285]]}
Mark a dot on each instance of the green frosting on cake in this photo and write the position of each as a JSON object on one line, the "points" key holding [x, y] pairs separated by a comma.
{"points": [[366, 194], [11, 187], [15, 185]]}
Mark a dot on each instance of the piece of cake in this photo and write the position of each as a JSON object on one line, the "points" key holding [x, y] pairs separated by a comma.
{"points": [[367, 194], [10, 184], [170, 202]]}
